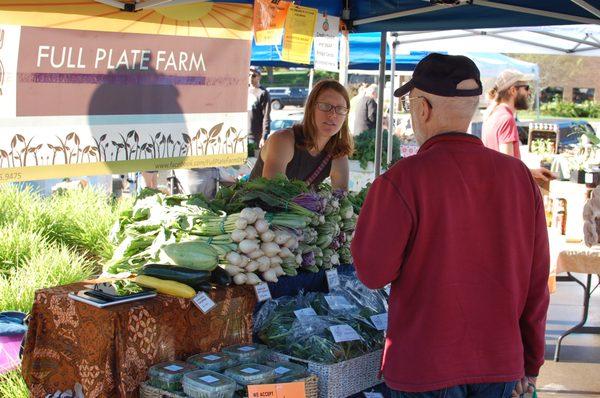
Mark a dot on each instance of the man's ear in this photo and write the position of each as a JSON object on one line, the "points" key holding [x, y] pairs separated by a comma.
{"points": [[426, 110]]}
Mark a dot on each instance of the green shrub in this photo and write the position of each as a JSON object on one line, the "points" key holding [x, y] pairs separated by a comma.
{"points": [[588, 109], [54, 265], [12, 385], [18, 244]]}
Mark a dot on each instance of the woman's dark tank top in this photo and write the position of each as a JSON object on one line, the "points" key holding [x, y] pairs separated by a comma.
{"points": [[302, 165]]}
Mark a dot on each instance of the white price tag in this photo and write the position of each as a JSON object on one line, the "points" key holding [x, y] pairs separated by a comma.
{"points": [[212, 357], [173, 368], [203, 302], [262, 292], [305, 312], [209, 379], [333, 279], [388, 289], [336, 302], [281, 370], [246, 348], [250, 371], [589, 178], [373, 395], [343, 333], [380, 321]]}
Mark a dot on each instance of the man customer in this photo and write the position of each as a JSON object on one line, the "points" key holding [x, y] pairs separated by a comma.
{"points": [[366, 111], [460, 233], [499, 132], [259, 108]]}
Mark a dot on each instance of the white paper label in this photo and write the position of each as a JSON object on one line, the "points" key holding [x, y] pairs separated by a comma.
{"points": [[173, 368], [250, 370], [333, 279], [305, 312], [281, 370], [209, 379], [343, 333], [380, 321], [589, 178], [262, 292], [203, 302], [337, 302], [212, 357], [246, 348], [373, 395], [388, 289]]}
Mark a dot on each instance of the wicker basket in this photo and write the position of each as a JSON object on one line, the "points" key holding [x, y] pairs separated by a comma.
{"points": [[148, 391], [340, 380]]}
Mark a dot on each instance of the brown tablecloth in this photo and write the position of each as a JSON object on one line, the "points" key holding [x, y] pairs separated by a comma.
{"points": [[108, 351]]}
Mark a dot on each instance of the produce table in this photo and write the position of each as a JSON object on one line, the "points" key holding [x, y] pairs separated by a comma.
{"points": [[108, 351]]}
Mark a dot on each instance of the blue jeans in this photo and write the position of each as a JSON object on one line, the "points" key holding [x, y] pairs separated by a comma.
{"points": [[485, 390]]}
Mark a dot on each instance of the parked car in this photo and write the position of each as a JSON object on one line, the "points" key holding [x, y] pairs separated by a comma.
{"points": [[282, 96], [286, 121]]}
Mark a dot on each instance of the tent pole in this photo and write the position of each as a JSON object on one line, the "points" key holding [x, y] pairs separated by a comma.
{"points": [[537, 99], [390, 143], [311, 79], [381, 86], [344, 58], [587, 6]]}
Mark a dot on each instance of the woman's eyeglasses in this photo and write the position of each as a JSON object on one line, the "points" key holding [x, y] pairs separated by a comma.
{"points": [[325, 107]]}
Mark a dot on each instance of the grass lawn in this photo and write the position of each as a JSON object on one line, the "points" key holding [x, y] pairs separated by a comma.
{"points": [[530, 115]]}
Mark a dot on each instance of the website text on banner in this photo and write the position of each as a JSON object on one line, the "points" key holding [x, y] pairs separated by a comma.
{"points": [[84, 94]]}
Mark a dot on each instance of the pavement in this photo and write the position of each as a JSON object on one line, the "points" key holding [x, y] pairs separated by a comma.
{"points": [[577, 375]]}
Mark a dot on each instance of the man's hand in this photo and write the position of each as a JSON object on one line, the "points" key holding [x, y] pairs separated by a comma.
{"points": [[543, 174], [524, 386]]}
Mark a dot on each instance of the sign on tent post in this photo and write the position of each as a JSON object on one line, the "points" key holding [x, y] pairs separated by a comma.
{"points": [[327, 43], [298, 36], [83, 94]]}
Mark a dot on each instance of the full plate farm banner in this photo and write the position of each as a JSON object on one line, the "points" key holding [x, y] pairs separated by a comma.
{"points": [[89, 89]]}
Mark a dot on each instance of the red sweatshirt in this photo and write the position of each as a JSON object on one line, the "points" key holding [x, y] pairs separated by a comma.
{"points": [[459, 231]]}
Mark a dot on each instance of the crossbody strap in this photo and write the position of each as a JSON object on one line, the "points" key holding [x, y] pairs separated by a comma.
{"points": [[318, 170]]}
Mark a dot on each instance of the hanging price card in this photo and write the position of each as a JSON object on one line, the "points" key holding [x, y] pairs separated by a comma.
{"points": [[262, 292], [203, 302], [343, 333], [380, 321], [333, 279]]}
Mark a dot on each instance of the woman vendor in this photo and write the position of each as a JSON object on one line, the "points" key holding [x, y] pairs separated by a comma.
{"points": [[318, 147]]}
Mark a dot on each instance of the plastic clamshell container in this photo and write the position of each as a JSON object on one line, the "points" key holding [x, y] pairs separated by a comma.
{"points": [[251, 373], [246, 353], [208, 384], [286, 372], [168, 375], [214, 361]]}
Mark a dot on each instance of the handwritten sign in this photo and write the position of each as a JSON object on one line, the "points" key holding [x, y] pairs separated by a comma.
{"points": [[203, 302], [262, 292]]}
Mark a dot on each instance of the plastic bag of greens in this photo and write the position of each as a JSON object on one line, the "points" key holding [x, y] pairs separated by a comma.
{"points": [[362, 296], [275, 318], [325, 340], [332, 304]]}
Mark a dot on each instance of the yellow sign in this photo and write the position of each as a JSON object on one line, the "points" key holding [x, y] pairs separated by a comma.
{"points": [[281, 390], [269, 19], [298, 37]]}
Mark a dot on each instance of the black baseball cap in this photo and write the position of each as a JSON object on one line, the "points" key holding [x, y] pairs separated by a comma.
{"points": [[439, 74]]}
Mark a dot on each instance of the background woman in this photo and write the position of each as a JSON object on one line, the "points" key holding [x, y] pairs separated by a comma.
{"points": [[318, 147]]}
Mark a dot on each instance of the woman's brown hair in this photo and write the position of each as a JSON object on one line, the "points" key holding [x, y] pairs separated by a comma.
{"points": [[340, 144]]}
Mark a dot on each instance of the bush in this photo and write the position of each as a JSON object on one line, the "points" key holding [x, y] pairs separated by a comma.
{"points": [[18, 244], [364, 148], [560, 108], [54, 265], [12, 385]]}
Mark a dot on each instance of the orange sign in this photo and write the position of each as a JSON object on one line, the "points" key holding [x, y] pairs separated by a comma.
{"points": [[269, 18], [281, 390]]}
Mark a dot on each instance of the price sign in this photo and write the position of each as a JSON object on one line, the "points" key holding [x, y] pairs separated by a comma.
{"points": [[281, 390], [380, 321], [333, 279], [209, 379], [203, 302], [262, 292], [388, 289], [343, 333], [304, 312]]}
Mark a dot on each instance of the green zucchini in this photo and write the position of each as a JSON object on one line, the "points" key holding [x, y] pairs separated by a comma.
{"points": [[194, 254], [191, 277]]}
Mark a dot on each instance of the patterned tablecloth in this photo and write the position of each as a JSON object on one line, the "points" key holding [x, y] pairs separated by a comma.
{"points": [[108, 351]]}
